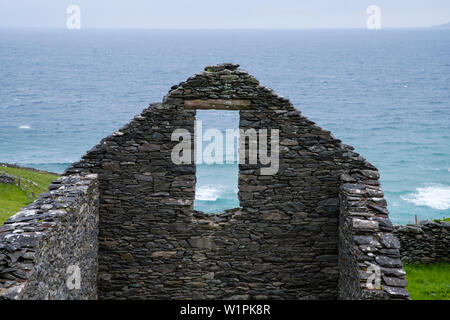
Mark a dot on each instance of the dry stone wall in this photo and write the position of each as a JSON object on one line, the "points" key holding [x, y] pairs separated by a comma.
{"points": [[427, 242], [369, 256], [283, 240], [317, 228], [48, 250], [7, 178]]}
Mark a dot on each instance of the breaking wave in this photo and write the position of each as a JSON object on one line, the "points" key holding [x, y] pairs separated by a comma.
{"points": [[435, 196], [207, 193]]}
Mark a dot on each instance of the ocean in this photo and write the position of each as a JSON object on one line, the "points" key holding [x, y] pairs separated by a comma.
{"points": [[385, 92]]}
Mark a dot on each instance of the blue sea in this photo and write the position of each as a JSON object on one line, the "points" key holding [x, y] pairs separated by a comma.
{"points": [[385, 92]]}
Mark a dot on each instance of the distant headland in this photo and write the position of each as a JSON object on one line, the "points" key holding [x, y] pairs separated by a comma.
{"points": [[442, 26]]}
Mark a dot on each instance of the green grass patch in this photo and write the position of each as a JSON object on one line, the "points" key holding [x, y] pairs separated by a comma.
{"points": [[428, 281], [43, 179], [12, 198]]}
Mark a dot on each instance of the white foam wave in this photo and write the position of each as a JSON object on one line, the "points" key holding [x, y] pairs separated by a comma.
{"points": [[207, 193], [25, 127], [429, 168], [434, 196]]}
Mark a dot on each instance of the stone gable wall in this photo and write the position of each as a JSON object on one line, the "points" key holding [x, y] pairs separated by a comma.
{"points": [[46, 243], [282, 243]]}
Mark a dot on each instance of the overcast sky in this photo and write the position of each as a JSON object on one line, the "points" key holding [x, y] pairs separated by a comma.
{"points": [[240, 14]]}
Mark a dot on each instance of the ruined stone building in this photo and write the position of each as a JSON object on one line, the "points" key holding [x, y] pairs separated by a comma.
{"points": [[317, 229]]}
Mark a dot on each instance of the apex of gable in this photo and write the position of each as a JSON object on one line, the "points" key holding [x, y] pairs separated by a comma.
{"points": [[222, 66]]}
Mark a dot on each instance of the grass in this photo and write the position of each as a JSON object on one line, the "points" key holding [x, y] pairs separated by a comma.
{"points": [[12, 197], [43, 179], [428, 281]]}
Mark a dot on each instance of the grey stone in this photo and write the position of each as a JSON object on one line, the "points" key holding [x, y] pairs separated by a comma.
{"points": [[298, 234]]}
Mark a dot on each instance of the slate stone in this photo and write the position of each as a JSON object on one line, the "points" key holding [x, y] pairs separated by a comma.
{"points": [[299, 233]]}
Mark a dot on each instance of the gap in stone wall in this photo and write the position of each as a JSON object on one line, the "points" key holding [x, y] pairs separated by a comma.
{"points": [[216, 173]]}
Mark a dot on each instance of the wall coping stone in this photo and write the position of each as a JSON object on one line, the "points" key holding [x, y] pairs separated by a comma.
{"points": [[23, 234]]}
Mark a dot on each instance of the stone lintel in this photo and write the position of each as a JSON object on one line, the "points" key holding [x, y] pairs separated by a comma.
{"points": [[217, 104]]}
